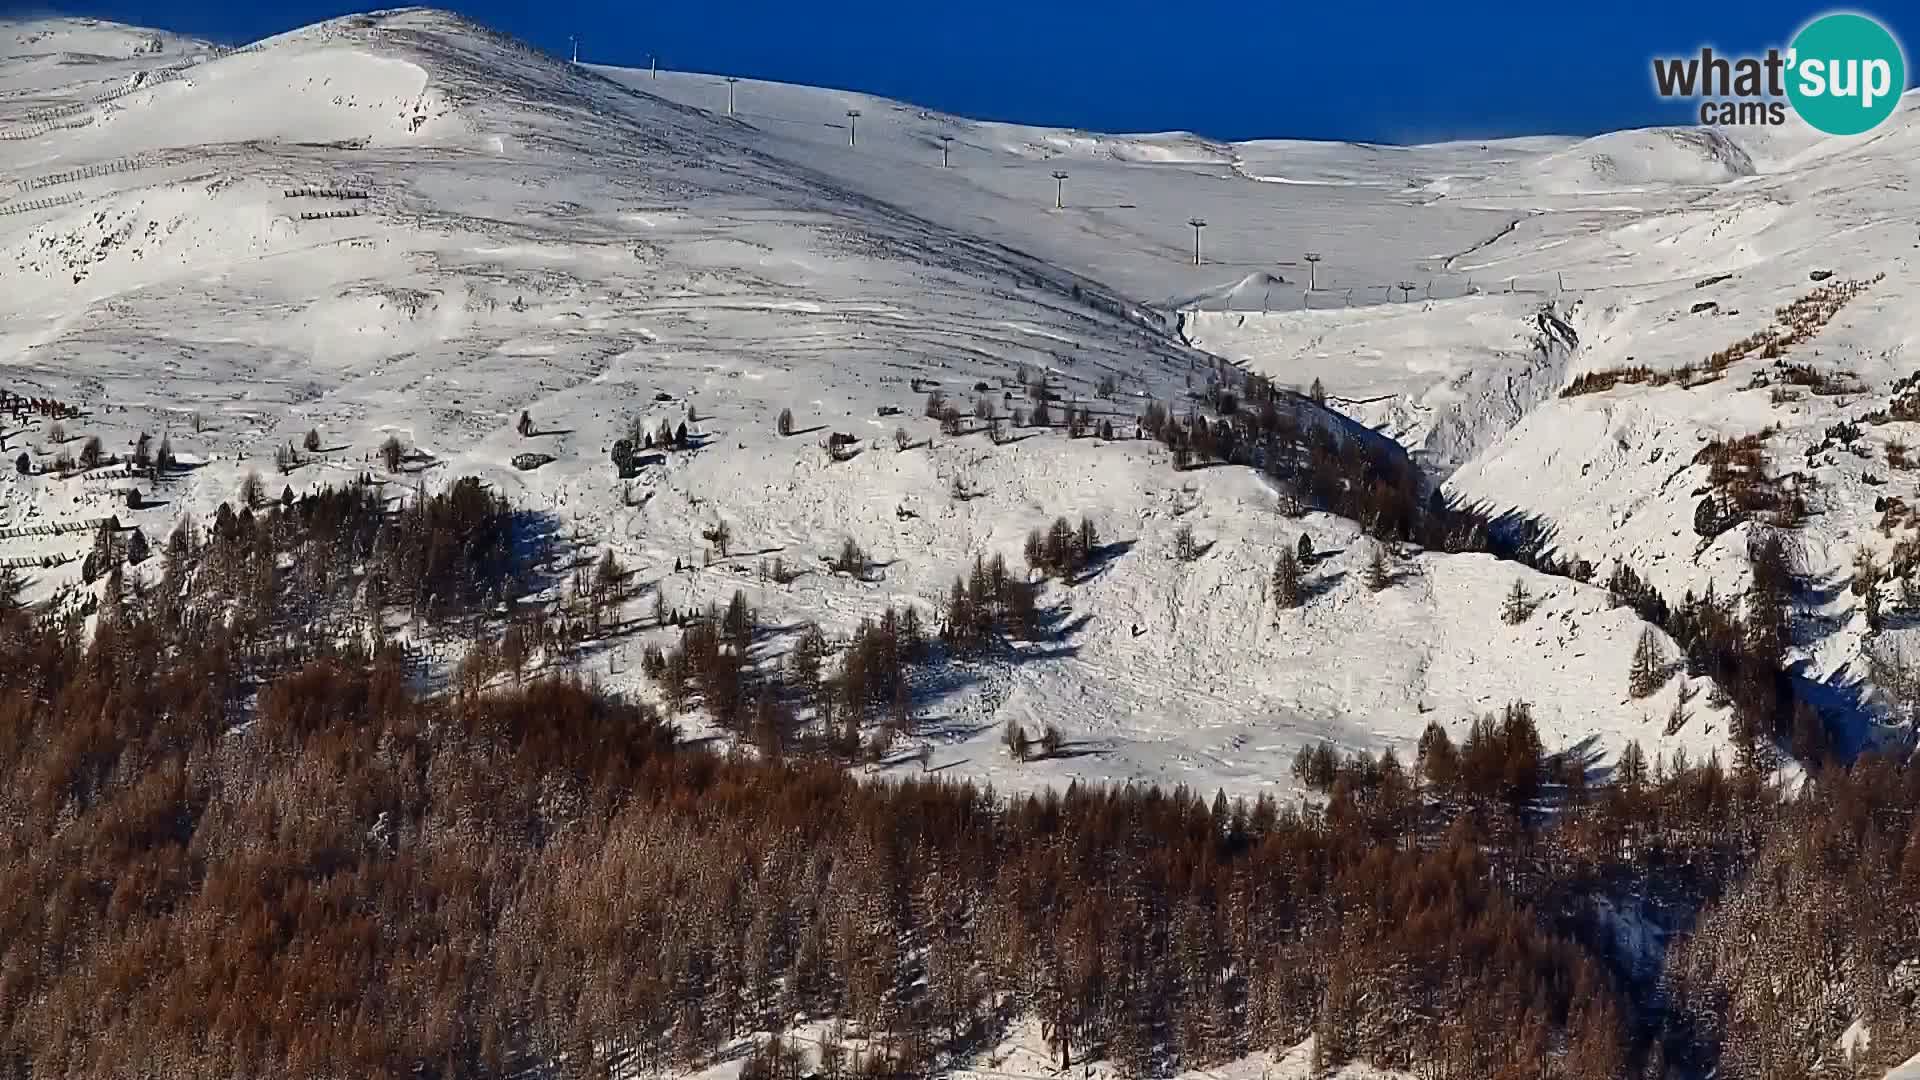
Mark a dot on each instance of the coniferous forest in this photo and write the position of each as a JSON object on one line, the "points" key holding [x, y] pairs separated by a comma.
{"points": [[237, 837]]}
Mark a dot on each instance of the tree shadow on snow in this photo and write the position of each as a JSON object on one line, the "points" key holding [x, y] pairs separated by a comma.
{"points": [[1320, 584], [1103, 557]]}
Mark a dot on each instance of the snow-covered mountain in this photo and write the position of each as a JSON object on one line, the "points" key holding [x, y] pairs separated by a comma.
{"points": [[403, 224]]}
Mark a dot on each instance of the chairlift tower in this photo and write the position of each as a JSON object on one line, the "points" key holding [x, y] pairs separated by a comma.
{"points": [[1059, 189], [1313, 263], [732, 82], [1197, 224], [853, 125], [946, 144], [575, 41]]}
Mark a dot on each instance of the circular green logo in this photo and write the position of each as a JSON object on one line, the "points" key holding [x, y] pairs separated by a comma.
{"points": [[1846, 74]]}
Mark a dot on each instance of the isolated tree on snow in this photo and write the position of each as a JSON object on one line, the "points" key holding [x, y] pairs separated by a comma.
{"points": [[1089, 539], [163, 458], [680, 437], [1648, 672], [608, 575], [1519, 604], [1318, 393], [1306, 548], [23, 464], [1059, 549], [1015, 738], [90, 453], [525, 426], [851, 559], [1185, 547], [785, 424], [312, 442], [252, 492], [1050, 740], [623, 461], [392, 453], [143, 451], [721, 535], [1287, 580], [137, 548]]}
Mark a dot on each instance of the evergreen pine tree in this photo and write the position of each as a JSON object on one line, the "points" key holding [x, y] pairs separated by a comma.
{"points": [[137, 548], [1015, 738], [1287, 580], [1649, 671], [1089, 539], [1519, 604], [1631, 770]]}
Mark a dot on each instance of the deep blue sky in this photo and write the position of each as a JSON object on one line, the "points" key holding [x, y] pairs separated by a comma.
{"points": [[1386, 70]]}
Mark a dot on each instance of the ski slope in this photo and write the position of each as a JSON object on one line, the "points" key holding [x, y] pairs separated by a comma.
{"points": [[402, 224]]}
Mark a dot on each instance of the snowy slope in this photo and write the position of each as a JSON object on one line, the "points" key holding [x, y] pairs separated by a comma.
{"points": [[1615, 472], [1022, 1052], [1444, 378], [1128, 198], [595, 246]]}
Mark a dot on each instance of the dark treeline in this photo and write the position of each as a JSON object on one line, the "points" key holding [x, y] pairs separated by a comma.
{"points": [[365, 882], [235, 840]]}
